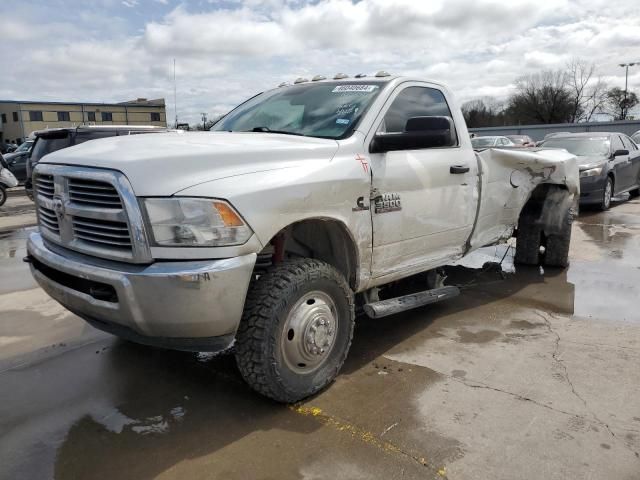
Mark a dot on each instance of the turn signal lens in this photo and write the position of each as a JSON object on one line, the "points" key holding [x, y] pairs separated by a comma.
{"points": [[228, 215]]}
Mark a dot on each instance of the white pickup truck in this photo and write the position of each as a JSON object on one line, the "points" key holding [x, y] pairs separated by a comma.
{"points": [[300, 205]]}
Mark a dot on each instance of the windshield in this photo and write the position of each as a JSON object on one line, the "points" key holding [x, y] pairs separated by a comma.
{"points": [[25, 147], [326, 110], [482, 142], [581, 147]]}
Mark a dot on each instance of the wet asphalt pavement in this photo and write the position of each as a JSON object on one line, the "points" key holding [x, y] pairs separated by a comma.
{"points": [[528, 374]]}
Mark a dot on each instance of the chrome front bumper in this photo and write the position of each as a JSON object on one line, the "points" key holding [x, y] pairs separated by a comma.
{"points": [[169, 301]]}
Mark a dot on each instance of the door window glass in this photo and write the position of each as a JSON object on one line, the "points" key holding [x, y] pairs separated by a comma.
{"points": [[616, 143], [414, 102], [629, 143]]}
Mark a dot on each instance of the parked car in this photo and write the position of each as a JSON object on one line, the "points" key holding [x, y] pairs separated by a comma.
{"points": [[522, 140], [52, 140], [7, 180], [609, 164], [264, 233], [636, 137], [18, 159], [7, 147], [489, 142]]}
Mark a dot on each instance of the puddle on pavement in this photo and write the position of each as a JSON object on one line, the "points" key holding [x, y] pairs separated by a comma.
{"points": [[116, 403], [600, 283], [15, 274], [606, 266]]}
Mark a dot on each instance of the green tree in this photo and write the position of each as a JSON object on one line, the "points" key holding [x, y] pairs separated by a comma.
{"points": [[619, 103]]}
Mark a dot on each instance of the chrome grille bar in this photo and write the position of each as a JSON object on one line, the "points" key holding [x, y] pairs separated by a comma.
{"points": [[45, 186], [48, 219], [93, 193]]}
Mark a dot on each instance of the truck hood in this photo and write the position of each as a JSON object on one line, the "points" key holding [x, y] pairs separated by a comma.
{"points": [[165, 163]]}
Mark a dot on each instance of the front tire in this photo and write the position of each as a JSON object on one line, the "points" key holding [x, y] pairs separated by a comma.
{"points": [[3, 195], [605, 203], [296, 330]]}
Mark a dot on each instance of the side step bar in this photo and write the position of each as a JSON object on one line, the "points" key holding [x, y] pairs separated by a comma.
{"points": [[407, 302]]}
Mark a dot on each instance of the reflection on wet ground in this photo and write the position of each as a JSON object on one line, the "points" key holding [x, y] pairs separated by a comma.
{"points": [[528, 374], [12, 250]]}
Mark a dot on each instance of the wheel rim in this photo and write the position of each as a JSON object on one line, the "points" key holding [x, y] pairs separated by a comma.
{"points": [[607, 194], [309, 332]]}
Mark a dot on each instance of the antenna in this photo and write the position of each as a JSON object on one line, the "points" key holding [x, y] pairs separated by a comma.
{"points": [[175, 101]]}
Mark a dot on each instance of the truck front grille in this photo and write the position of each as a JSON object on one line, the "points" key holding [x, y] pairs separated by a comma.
{"points": [[91, 211]]}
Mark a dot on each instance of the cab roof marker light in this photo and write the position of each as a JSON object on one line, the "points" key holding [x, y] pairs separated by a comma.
{"points": [[361, 75], [300, 80], [317, 78], [283, 84], [340, 76], [383, 73]]}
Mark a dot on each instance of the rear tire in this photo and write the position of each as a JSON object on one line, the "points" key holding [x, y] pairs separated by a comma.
{"points": [[296, 330], [634, 193], [528, 241], [3, 195], [558, 243]]}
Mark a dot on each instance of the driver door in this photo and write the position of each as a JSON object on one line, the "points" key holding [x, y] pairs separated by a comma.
{"points": [[422, 212]]}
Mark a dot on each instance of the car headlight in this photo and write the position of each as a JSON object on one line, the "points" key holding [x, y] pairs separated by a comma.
{"points": [[592, 172], [195, 222]]}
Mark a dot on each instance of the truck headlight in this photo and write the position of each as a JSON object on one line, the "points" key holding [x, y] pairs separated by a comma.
{"points": [[195, 222], [592, 172]]}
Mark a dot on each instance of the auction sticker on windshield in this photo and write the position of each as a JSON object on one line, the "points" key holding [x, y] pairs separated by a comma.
{"points": [[354, 88]]}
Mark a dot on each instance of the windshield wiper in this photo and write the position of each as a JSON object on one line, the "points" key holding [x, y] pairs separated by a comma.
{"points": [[268, 130]]}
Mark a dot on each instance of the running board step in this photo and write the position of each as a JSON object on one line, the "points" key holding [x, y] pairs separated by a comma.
{"points": [[407, 302]]}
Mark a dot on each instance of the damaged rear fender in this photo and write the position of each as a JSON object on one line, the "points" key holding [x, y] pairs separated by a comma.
{"points": [[509, 179]]}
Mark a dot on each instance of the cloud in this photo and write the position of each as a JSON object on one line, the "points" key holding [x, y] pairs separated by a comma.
{"points": [[228, 50]]}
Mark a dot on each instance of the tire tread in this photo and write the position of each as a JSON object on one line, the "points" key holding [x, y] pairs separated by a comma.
{"points": [[266, 298]]}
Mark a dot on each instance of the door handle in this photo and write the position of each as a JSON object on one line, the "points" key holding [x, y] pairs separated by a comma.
{"points": [[455, 169]]}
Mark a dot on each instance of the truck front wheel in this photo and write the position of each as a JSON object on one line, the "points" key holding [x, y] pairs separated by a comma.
{"points": [[296, 329]]}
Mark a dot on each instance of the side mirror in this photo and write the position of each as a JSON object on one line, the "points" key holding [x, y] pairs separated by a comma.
{"points": [[620, 153], [419, 133]]}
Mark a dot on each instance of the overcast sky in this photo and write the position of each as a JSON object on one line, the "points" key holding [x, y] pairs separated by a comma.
{"points": [[226, 51]]}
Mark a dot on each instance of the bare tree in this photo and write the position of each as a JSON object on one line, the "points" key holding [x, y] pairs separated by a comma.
{"points": [[595, 100], [579, 75], [483, 112], [543, 97]]}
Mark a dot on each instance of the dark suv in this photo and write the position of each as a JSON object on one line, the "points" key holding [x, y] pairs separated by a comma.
{"points": [[48, 141]]}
